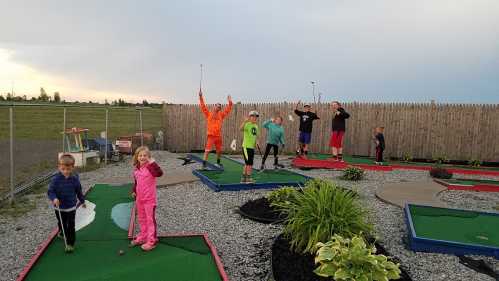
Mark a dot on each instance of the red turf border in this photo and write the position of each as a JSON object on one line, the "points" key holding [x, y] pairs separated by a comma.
{"points": [[325, 164], [38, 253]]}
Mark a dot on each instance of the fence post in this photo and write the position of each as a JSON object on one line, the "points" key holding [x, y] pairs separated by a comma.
{"points": [[141, 128], [107, 123], [64, 131], [11, 118]]}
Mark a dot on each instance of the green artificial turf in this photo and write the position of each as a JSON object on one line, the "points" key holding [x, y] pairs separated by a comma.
{"points": [[456, 225], [471, 181], [233, 170], [98, 244]]}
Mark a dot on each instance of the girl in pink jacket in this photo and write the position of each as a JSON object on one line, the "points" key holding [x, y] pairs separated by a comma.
{"points": [[145, 173]]}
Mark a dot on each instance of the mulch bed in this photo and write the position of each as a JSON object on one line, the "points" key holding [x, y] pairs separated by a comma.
{"points": [[290, 266], [260, 210]]}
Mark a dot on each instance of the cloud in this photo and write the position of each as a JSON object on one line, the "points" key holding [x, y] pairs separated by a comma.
{"points": [[263, 50]]}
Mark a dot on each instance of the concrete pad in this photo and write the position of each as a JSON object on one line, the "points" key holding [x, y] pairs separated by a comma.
{"points": [[425, 193], [168, 179]]}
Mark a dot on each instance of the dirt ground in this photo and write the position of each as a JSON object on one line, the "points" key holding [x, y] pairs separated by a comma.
{"points": [[30, 157]]}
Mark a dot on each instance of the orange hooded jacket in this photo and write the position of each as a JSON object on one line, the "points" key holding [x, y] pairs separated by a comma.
{"points": [[214, 120]]}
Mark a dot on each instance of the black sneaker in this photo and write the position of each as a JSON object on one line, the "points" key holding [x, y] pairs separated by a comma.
{"points": [[262, 167], [220, 166], [204, 164]]}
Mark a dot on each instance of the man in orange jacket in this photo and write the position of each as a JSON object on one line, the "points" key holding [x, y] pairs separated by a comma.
{"points": [[214, 121]]}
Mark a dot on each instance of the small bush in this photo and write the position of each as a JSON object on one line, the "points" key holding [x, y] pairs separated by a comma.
{"points": [[440, 173], [475, 163], [440, 159], [281, 196], [352, 174], [407, 157], [352, 259], [315, 214]]}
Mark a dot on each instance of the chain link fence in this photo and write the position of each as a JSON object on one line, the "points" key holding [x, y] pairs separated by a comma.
{"points": [[38, 139]]}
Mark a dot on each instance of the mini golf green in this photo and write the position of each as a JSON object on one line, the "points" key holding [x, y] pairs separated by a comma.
{"points": [[470, 182], [346, 158], [98, 244], [467, 227], [233, 170]]}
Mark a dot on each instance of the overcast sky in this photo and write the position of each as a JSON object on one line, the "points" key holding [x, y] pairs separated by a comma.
{"points": [[371, 50]]}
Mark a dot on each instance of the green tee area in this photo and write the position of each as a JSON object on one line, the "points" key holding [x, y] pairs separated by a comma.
{"points": [[96, 255], [456, 225], [471, 182], [233, 170]]}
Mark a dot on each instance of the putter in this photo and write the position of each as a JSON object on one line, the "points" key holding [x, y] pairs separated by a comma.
{"points": [[261, 156], [62, 227]]}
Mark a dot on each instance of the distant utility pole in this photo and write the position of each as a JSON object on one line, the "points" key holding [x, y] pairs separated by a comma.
{"points": [[313, 89]]}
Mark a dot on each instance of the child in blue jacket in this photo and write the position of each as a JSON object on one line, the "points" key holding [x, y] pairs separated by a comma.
{"points": [[275, 137], [64, 192]]}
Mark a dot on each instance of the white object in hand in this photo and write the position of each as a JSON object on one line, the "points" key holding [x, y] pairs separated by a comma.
{"points": [[290, 117], [233, 145]]}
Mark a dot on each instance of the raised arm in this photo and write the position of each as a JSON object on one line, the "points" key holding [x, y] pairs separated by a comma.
{"points": [[228, 108], [343, 113], [241, 128], [204, 109], [267, 123]]}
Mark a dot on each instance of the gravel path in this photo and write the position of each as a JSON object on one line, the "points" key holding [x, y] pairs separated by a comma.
{"points": [[244, 245]]}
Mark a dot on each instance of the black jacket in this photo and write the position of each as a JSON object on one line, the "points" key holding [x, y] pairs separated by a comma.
{"points": [[306, 120], [381, 139], [338, 123]]}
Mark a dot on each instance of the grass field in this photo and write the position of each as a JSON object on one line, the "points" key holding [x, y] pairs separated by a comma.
{"points": [[46, 122], [37, 132]]}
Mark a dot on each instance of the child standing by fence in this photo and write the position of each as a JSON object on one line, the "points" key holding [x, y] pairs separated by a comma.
{"points": [[145, 173], [307, 118], [250, 136], [275, 137], [214, 121], [379, 138], [65, 191], [338, 130]]}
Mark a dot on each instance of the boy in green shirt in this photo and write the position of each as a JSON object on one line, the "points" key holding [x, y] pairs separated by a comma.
{"points": [[250, 136], [275, 137]]}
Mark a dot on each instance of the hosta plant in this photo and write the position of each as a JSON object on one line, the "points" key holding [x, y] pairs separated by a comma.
{"points": [[353, 260], [440, 159], [281, 196], [352, 174], [407, 157], [316, 214]]}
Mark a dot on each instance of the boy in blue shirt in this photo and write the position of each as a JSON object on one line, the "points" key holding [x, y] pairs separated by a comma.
{"points": [[275, 137], [64, 192]]}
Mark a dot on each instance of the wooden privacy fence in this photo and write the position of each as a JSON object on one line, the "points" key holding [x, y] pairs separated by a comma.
{"points": [[424, 130]]}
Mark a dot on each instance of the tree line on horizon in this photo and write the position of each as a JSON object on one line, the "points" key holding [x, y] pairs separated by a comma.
{"points": [[43, 97]]}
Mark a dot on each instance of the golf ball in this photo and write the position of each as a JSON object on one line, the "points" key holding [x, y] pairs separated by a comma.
{"points": [[121, 252]]}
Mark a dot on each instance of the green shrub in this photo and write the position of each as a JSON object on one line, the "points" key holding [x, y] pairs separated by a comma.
{"points": [[352, 259], [352, 174], [475, 163], [281, 196], [315, 214], [440, 173], [440, 159], [407, 157]]}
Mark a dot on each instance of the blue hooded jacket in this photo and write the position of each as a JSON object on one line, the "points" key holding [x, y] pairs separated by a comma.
{"points": [[67, 190]]}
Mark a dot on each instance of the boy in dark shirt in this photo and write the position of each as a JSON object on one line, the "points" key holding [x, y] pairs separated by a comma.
{"points": [[379, 138], [65, 191], [338, 130], [307, 118]]}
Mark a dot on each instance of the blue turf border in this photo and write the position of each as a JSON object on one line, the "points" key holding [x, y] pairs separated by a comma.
{"points": [[419, 244], [240, 186], [200, 160]]}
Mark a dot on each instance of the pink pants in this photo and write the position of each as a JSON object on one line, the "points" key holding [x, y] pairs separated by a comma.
{"points": [[146, 213]]}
